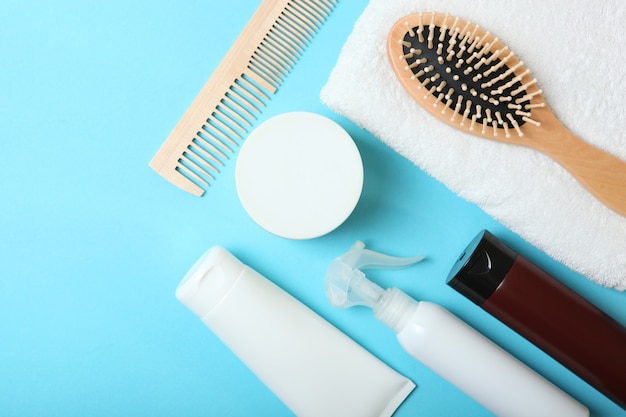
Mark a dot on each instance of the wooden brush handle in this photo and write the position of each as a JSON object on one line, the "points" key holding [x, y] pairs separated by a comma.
{"points": [[601, 173]]}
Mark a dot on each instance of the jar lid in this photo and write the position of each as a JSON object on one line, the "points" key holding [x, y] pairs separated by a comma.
{"points": [[299, 175]]}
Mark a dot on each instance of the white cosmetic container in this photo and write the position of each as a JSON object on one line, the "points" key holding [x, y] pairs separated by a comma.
{"points": [[447, 345], [312, 367], [299, 175]]}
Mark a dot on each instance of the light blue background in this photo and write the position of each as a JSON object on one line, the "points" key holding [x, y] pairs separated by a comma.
{"points": [[94, 242]]}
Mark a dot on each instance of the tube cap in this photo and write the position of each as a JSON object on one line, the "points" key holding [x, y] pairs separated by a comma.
{"points": [[481, 267], [209, 280]]}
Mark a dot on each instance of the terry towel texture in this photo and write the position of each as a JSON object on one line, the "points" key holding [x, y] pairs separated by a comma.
{"points": [[576, 51]]}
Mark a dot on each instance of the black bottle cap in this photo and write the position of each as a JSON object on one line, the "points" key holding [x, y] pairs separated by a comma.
{"points": [[481, 267]]}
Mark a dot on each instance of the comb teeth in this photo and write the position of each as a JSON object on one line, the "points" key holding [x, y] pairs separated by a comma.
{"points": [[232, 99], [478, 81]]}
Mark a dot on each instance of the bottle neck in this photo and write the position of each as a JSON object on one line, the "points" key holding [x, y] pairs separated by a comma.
{"points": [[395, 308]]}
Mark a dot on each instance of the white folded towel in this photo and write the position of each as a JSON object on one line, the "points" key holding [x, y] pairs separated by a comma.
{"points": [[576, 50]]}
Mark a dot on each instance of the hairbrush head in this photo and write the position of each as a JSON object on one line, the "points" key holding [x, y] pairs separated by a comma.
{"points": [[464, 74]]}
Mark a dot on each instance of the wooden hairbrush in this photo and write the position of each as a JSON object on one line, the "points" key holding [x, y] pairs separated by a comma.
{"points": [[467, 78]]}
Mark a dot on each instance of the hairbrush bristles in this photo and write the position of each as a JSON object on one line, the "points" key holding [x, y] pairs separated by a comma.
{"points": [[468, 73]]}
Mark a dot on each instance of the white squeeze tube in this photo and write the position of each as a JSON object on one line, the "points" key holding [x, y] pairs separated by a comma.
{"points": [[445, 344], [311, 366]]}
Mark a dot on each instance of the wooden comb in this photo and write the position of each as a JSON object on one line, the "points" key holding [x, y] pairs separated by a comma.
{"points": [[232, 98], [467, 78]]}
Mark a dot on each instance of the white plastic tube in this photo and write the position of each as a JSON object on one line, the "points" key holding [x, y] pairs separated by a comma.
{"points": [[312, 367]]}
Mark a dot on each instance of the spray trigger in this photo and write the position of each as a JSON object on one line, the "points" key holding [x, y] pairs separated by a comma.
{"points": [[347, 285]]}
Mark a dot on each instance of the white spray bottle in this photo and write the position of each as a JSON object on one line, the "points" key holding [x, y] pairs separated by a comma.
{"points": [[445, 344]]}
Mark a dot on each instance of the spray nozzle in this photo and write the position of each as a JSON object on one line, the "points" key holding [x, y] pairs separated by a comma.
{"points": [[346, 285]]}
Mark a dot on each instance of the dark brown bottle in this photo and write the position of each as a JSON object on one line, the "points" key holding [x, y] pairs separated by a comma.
{"points": [[546, 312]]}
